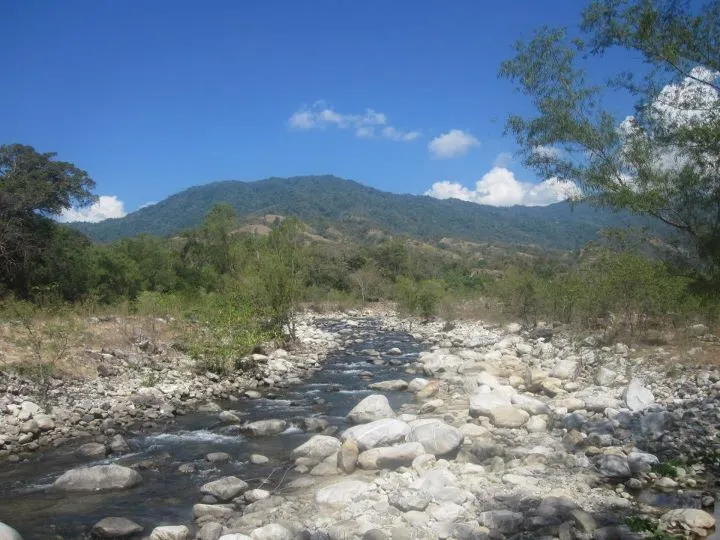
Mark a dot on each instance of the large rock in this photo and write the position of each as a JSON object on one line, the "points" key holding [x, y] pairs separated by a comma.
{"points": [[224, 489], [273, 531], [30, 426], [119, 445], [407, 500], [438, 362], [229, 417], [505, 521], [8, 533], [327, 467], [374, 407], [605, 376], [564, 369], [92, 450], [215, 511], [417, 384], [530, 405], [115, 527], [263, 428], [637, 397], [429, 390], [435, 481], [390, 457], [98, 478], [389, 386], [44, 422], [379, 433], [559, 507], [472, 431], [317, 448], [347, 456], [654, 424], [537, 424], [534, 379], [690, 517], [482, 403], [600, 402], [641, 462], [445, 513], [437, 438], [508, 417], [612, 466], [210, 530], [170, 532], [341, 494], [28, 409]]}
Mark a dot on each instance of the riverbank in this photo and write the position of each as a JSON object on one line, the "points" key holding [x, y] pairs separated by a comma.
{"points": [[142, 385]]}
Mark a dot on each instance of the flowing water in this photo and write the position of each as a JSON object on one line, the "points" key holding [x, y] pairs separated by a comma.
{"points": [[30, 504]]}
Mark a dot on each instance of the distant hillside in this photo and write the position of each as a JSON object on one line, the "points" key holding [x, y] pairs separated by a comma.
{"points": [[355, 209]]}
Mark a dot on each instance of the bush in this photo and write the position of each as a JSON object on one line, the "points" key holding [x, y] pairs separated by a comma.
{"points": [[228, 328], [636, 292], [418, 297]]}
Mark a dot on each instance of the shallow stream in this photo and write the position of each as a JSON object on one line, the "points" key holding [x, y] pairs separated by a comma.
{"points": [[30, 504]]}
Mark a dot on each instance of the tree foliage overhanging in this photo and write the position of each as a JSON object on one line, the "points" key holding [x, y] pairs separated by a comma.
{"points": [[33, 188], [664, 160]]}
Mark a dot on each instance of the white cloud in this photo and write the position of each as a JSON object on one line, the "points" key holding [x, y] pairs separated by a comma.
{"points": [[454, 143], [693, 101], [302, 120], [547, 151], [391, 133], [107, 206], [499, 187], [365, 132], [373, 118], [321, 116], [689, 101], [503, 159]]}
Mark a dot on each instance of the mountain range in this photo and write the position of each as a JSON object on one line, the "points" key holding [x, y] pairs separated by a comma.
{"points": [[356, 210]]}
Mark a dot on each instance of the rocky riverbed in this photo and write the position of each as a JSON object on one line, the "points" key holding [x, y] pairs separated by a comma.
{"points": [[488, 432], [144, 386]]}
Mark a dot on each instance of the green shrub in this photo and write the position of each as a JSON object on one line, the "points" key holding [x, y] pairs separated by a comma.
{"points": [[635, 292], [418, 297], [228, 327]]}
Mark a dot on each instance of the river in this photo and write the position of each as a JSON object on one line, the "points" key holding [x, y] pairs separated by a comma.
{"points": [[30, 504]]}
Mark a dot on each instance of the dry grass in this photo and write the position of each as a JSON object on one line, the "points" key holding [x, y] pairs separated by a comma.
{"points": [[66, 340]]}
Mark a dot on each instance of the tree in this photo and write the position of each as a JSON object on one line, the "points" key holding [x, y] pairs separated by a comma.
{"points": [[369, 282], [212, 243], [66, 269], [282, 273], [663, 161], [33, 187]]}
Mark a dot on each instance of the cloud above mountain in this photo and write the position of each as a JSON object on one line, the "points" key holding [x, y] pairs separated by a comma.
{"points": [[499, 187], [106, 206], [454, 143], [366, 125]]}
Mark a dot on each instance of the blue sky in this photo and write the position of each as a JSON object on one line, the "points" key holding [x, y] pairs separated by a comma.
{"points": [[153, 97]]}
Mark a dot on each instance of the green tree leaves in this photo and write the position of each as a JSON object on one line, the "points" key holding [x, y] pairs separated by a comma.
{"points": [[32, 187], [664, 161]]}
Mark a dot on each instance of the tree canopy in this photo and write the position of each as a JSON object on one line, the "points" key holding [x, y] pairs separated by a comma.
{"points": [[664, 159], [33, 186]]}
